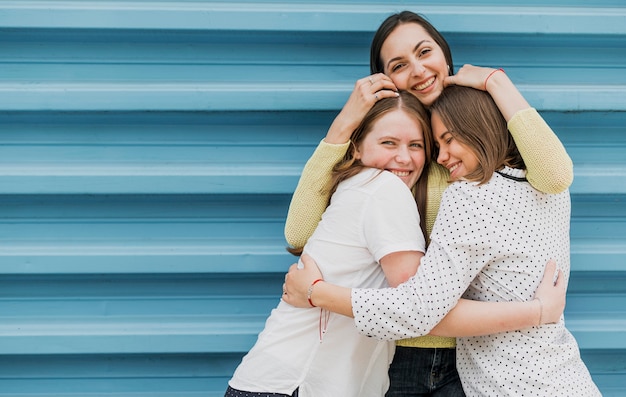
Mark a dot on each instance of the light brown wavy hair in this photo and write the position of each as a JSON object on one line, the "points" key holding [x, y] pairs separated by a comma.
{"points": [[473, 118], [350, 165]]}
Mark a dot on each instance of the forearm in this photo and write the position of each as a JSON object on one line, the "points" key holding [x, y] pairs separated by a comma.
{"points": [[342, 127], [332, 298], [476, 318], [310, 198], [505, 94]]}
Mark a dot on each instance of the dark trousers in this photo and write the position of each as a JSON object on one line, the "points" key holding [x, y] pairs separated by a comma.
{"points": [[424, 372], [230, 392]]}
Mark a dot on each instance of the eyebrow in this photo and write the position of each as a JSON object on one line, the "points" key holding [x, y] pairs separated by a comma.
{"points": [[446, 132], [395, 138], [418, 45]]}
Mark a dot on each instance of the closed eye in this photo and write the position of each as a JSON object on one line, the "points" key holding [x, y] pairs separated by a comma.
{"points": [[425, 51], [397, 67]]}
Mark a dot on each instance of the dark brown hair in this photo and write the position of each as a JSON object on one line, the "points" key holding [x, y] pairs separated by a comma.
{"points": [[390, 24]]}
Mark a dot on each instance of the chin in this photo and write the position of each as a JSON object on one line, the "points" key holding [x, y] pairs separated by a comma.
{"points": [[428, 99]]}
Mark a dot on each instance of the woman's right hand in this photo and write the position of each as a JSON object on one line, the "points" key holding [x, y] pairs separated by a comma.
{"points": [[367, 91]]}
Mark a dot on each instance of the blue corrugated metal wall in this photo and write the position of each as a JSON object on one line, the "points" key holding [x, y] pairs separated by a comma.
{"points": [[148, 151]]}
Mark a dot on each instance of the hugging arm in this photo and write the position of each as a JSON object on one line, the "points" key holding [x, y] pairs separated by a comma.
{"points": [[549, 167], [467, 318], [476, 318]]}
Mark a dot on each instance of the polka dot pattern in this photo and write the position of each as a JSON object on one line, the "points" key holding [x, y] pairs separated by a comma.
{"points": [[230, 392], [489, 243]]}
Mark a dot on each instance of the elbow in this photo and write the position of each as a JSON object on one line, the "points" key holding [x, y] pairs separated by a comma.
{"points": [[292, 238], [559, 186], [558, 183], [399, 279]]}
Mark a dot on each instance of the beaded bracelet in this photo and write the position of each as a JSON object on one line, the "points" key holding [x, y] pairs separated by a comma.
{"points": [[310, 291]]}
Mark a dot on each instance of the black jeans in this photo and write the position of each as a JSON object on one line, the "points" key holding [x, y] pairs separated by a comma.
{"points": [[230, 392], [424, 372]]}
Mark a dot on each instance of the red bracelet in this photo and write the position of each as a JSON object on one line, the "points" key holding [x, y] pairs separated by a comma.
{"points": [[491, 74], [310, 291]]}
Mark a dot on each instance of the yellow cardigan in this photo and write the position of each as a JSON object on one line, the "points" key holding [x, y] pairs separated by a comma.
{"points": [[549, 169]]}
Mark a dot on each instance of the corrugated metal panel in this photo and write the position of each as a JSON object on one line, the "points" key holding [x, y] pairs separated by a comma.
{"points": [[148, 151]]}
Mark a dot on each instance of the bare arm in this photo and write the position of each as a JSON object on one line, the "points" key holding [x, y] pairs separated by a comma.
{"points": [[400, 266], [468, 318], [328, 296], [475, 318], [549, 167], [367, 91]]}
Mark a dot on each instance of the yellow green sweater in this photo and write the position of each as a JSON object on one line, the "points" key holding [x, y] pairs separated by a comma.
{"points": [[549, 169]]}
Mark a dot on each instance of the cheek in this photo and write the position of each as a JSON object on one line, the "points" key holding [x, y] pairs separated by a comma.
{"points": [[375, 160], [419, 159], [399, 79]]}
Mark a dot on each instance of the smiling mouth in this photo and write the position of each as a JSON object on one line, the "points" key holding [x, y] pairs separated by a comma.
{"points": [[401, 173], [454, 167], [425, 85]]}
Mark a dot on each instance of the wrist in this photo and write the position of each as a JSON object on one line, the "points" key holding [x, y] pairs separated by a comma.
{"points": [[491, 77], [339, 131], [309, 293], [539, 309]]}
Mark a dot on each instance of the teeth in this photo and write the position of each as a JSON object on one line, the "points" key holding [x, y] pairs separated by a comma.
{"points": [[401, 173], [426, 84], [454, 167]]}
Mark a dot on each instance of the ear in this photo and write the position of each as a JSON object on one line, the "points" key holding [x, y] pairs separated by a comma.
{"points": [[357, 153]]}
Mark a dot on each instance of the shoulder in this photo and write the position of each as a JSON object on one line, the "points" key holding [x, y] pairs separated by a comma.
{"points": [[384, 189], [375, 181], [460, 188], [392, 187], [471, 197]]}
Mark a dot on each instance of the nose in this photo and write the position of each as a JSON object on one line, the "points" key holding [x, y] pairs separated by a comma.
{"points": [[402, 155], [418, 68], [442, 157]]}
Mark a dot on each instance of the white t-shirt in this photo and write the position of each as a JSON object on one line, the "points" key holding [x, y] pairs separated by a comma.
{"points": [[490, 243], [370, 215]]}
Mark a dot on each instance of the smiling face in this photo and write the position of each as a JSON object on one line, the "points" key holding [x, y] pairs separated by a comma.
{"points": [[415, 62], [457, 157], [395, 143]]}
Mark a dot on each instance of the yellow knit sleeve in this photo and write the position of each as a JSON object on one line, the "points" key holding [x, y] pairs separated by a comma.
{"points": [[438, 177], [438, 181], [548, 166], [310, 199]]}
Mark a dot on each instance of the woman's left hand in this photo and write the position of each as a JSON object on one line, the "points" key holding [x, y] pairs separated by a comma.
{"points": [[551, 294], [470, 76], [298, 280]]}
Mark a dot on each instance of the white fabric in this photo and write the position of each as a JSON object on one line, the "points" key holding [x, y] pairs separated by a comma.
{"points": [[489, 243], [371, 215]]}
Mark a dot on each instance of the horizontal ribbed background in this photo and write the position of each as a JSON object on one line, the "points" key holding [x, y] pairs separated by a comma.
{"points": [[149, 149]]}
